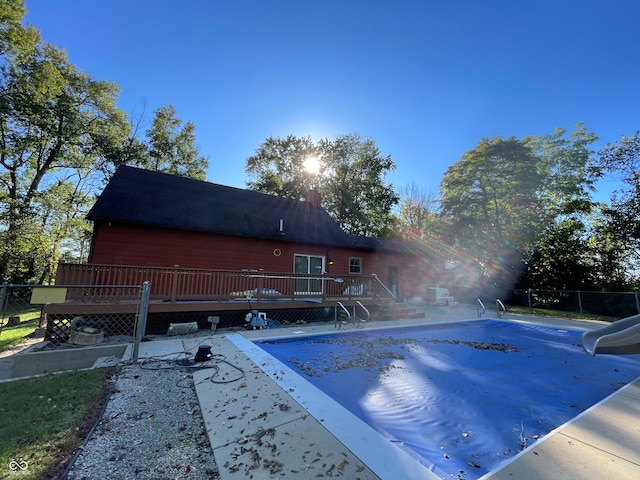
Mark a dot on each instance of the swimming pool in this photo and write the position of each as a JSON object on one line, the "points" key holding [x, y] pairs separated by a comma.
{"points": [[459, 398]]}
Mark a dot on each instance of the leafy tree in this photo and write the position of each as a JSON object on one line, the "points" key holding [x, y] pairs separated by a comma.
{"points": [[54, 119], [172, 146], [356, 194], [278, 167], [350, 178], [167, 146], [560, 259], [418, 214], [613, 259], [63, 229], [490, 199], [569, 169], [504, 196], [622, 160], [14, 38], [61, 136]]}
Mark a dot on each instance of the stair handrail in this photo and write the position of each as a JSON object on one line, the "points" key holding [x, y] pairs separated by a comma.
{"points": [[337, 323], [355, 318], [480, 308], [384, 287], [500, 309]]}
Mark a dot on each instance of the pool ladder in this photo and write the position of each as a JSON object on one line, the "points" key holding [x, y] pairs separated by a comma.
{"points": [[356, 320], [500, 308]]}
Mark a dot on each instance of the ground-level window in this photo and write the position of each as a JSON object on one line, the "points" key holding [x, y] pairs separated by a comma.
{"points": [[355, 265], [311, 265]]}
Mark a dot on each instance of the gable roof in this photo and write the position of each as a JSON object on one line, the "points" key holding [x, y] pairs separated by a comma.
{"points": [[144, 197], [391, 245]]}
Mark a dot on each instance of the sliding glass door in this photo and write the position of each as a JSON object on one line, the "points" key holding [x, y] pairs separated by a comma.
{"points": [[310, 265]]}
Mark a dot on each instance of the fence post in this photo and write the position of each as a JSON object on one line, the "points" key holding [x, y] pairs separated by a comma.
{"points": [[580, 301], [637, 302], [529, 297], [3, 297], [141, 320]]}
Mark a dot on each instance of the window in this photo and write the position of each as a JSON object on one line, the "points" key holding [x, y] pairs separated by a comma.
{"points": [[355, 265]]}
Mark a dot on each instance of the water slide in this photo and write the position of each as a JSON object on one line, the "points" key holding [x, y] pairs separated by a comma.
{"points": [[621, 337]]}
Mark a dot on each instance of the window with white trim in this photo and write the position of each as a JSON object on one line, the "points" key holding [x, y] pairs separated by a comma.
{"points": [[355, 265]]}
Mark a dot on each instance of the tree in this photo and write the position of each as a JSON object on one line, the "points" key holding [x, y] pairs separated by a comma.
{"points": [[172, 146], [356, 194], [569, 169], [418, 211], [504, 196], [622, 160], [61, 137], [350, 178], [278, 167], [489, 198], [54, 121], [14, 38], [613, 258], [560, 259]]}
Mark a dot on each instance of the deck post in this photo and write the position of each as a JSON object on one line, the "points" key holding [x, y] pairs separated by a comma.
{"points": [[174, 285], [141, 320]]}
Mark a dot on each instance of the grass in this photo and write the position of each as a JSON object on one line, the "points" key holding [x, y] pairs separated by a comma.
{"points": [[44, 419], [546, 312], [29, 321]]}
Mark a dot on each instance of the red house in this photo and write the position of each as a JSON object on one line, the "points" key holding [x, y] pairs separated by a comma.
{"points": [[224, 243]]}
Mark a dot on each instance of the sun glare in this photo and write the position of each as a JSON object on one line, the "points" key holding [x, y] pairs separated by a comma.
{"points": [[312, 165]]}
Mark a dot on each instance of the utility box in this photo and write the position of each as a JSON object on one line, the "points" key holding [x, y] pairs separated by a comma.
{"points": [[438, 296]]}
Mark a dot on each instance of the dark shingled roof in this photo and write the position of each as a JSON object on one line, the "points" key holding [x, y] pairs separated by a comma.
{"points": [[145, 197], [381, 244]]}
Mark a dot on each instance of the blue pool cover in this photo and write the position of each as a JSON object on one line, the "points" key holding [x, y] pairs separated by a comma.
{"points": [[459, 398]]}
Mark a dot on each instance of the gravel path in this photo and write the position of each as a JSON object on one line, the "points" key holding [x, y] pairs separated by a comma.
{"points": [[151, 428]]}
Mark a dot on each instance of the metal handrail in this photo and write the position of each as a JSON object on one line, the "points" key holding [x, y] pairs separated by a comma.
{"points": [[355, 318], [384, 287], [337, 323], [480, 308], [500, 309]]}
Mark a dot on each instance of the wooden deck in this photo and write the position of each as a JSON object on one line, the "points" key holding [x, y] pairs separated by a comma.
{"points": [[110, 296], [73, 307], [115, 289]]}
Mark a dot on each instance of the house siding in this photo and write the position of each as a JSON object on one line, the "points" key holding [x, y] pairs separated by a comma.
{"points": [[120, 244]]}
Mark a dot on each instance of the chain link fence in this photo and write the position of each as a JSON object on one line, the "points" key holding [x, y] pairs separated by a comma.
{"points": [[611, 304], [78, 315], [15, 306], [87, 315]]}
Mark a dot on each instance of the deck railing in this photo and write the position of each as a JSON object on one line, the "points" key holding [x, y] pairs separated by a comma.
{"points": [[186, 284]]}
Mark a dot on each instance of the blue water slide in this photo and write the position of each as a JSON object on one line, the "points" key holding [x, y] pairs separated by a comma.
{"points": [[621, 337]]}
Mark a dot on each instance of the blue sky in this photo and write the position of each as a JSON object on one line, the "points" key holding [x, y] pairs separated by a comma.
{"points": [[426, 79]]}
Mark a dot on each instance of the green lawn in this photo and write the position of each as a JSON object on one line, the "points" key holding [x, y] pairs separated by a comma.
{"points": [[545, 312], [44, 419], [9, 336]]}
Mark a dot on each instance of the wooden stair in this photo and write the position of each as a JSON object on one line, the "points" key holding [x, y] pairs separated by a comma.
{"points": [[400, 311]]}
